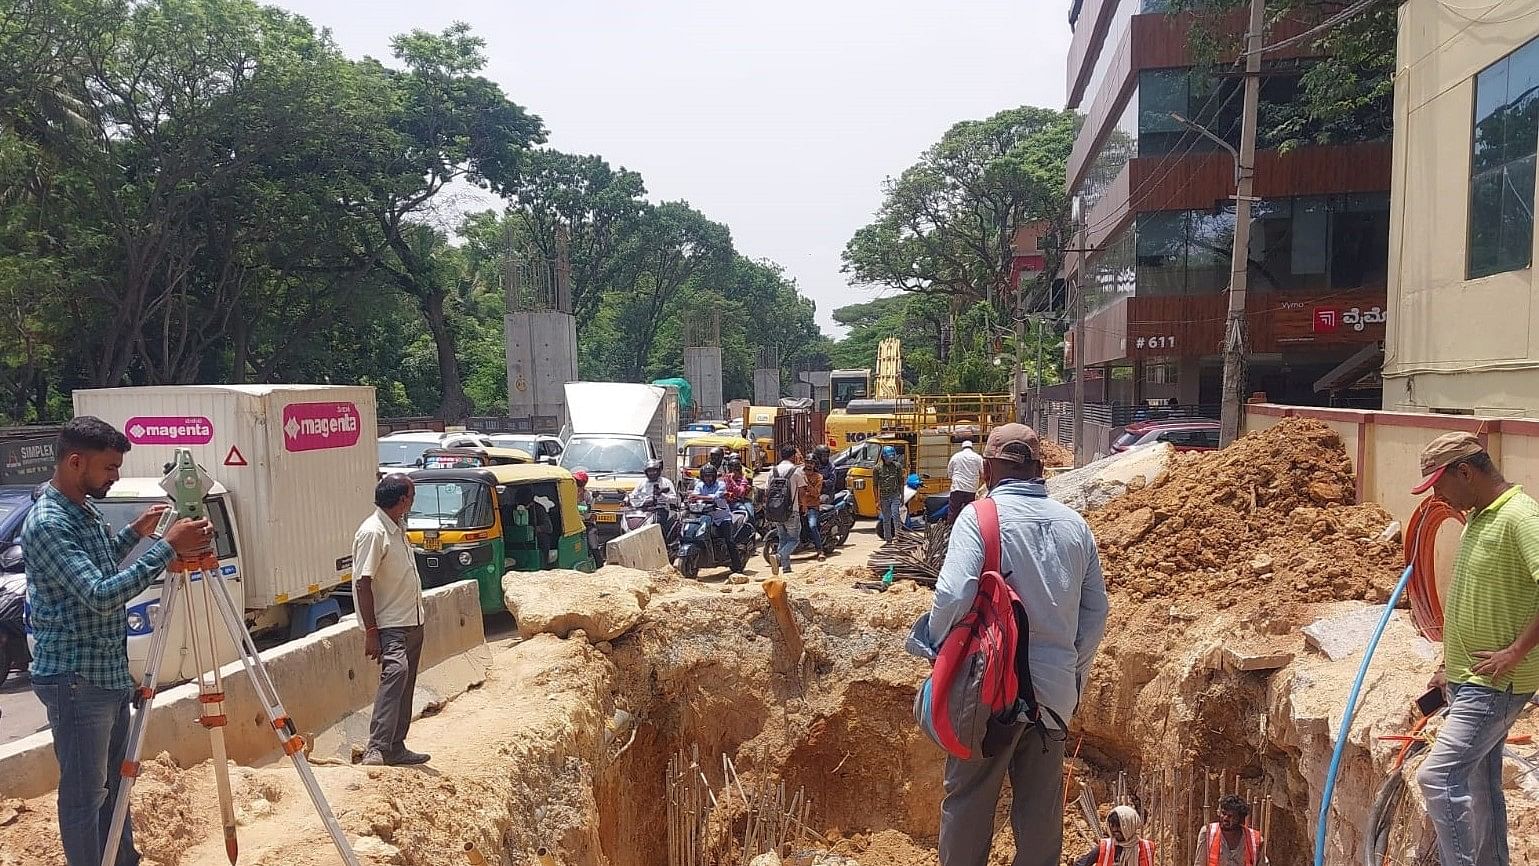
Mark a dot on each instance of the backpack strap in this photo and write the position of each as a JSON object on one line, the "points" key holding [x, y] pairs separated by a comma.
{"points": [[987, 511]]}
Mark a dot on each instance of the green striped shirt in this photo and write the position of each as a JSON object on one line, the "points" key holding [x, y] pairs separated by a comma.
{"points": [[1495, 591]]}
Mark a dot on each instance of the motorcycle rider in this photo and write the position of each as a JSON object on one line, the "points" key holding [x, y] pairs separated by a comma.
{"points": [[713, 487], [656, 492], [812, 498], [822, 458], [718, 459], [739, 486], [589, 517]]}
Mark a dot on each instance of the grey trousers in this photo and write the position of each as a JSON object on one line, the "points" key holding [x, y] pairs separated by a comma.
{"points": [[400, 650], [1036, 808]]}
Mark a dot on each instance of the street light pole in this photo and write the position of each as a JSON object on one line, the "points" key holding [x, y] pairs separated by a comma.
{"points": [[1234, 324], [1077, 213]]}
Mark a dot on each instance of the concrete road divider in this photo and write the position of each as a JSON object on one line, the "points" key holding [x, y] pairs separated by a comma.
{"points": [[641, 549], [321, 679]]}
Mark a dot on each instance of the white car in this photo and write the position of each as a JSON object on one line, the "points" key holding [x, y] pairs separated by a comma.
{"points": [[543, 447], [400, 452]]}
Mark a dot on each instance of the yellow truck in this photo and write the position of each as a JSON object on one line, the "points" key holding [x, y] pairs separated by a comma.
{"points": [[925, 431]]}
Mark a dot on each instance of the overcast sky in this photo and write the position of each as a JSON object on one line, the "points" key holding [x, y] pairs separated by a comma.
{"points": [[778, 119]]}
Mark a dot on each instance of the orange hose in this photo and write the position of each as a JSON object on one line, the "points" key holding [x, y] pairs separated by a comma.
{"points": [[1421, 554]]}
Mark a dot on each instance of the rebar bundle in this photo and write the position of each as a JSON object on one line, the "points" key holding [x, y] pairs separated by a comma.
{"points": [[773, 817], [913, 554]]}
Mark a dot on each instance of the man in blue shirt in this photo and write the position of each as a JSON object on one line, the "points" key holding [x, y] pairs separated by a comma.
{"points": [[721, 519], [1049, 558], [77, 587]]}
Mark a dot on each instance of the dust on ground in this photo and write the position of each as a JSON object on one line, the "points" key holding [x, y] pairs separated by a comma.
{"points": [[1055, 455]]}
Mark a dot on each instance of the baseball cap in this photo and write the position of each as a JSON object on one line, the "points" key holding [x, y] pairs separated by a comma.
{"points": [[1442, 452], [1015, 443], [967, 443]]}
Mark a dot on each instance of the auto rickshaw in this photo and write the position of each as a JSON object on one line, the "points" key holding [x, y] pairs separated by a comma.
{"points": [[699, 450], [470, 458], [480, 523], [862, 460]]}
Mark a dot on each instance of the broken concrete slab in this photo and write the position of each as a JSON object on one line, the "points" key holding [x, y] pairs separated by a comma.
{"points": [[641, 549], [602, 605], [1347, 633], [1242, 659]]}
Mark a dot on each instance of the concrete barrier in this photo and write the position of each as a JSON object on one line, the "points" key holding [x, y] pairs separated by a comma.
{"points": [[640, 549], [321, 679]]}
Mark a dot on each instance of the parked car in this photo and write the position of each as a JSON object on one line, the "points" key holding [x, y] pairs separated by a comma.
{"points": [[543, 447], [1198, 434]]}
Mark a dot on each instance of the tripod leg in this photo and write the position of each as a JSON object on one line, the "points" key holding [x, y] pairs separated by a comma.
{"points": [[288, 737], [211, 697], [144, 697]]}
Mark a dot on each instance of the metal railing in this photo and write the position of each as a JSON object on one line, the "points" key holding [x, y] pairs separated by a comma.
{"points": [[1121, 415]]}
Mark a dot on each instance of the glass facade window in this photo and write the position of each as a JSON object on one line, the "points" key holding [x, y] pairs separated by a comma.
{"points": [[1308, 243], [1506, 131]]}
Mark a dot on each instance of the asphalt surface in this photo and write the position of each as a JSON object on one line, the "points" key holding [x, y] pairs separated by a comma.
{"points": [[20, 713]]}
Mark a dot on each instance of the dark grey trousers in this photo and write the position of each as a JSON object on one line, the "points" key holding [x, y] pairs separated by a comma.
{"points": [[400, 650], [1036, 808]]}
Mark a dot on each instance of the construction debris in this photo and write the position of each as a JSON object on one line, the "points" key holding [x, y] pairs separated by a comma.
{"points": [[1274, 512]]}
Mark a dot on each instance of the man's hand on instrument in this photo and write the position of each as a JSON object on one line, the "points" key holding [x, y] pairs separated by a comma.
{"points": [[145, 523], [190, 538]]}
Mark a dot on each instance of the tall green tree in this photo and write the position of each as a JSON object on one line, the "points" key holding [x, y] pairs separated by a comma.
{"points": [[947, 223]]}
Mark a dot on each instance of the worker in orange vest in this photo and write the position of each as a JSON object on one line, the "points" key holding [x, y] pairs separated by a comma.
{"points": [[1228, 842], [1125, 847]]}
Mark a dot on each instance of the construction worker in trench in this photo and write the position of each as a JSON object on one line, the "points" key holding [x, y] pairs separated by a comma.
{"points": [[1490, 635], [1125, 847], [1228, 841]]}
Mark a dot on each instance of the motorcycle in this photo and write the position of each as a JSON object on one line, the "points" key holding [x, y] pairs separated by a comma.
{"points": [[14, 655], [665, 515], [699, 544], [836, 516]]}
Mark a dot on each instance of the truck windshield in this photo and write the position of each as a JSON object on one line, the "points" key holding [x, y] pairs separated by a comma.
{"points": [[601, 454], [450, 505], [394, 452], [121, 512]]}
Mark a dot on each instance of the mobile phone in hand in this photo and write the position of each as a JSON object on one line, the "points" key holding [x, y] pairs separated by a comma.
{"points": [[1431, 701]]}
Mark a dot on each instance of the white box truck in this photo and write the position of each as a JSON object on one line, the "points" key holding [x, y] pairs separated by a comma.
{"points": [[295, 472], [615, 429]]}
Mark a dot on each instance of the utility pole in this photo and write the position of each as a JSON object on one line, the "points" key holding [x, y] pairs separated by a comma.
{"points": [[1077, 213], [1234, 325]]}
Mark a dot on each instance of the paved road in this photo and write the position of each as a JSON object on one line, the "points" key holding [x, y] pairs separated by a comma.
{"points": [[20, 712]]}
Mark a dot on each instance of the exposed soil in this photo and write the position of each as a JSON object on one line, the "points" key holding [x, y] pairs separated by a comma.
{"points": [[1271, 517], [1054, 454]]}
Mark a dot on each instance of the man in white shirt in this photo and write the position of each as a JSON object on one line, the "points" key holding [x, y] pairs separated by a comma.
{"points": [[966, 470], [387, 592]]}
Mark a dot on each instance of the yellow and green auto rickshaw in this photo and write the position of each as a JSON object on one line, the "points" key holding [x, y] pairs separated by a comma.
{"points": [[698, 451], [480, 523]]}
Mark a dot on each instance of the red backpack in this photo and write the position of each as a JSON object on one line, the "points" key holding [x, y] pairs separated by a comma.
{"points": [[982, 673]]}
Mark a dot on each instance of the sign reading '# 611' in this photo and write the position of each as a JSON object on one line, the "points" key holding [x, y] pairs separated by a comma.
{"points": [[317, 426]]}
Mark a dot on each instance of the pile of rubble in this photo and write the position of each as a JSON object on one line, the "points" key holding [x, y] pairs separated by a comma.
{"points": [[1272, 513]]}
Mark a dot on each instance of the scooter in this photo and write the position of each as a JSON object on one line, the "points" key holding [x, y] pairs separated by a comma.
{"points": [[665, 515], [833, 526], [14, 655], [699, 544]]}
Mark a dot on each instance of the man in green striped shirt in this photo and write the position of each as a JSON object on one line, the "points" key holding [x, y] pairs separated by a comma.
{"points": [[1490, 633]]}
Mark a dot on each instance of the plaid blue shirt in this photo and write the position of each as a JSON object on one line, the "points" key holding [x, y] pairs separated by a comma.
{"points": [[77, 590]]}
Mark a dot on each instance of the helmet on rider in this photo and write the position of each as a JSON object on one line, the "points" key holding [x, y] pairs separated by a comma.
{"points": [[708, 473], [581, 477], [889, 452], [734, 461], [822, 452], [654, 469], [718, 454]]}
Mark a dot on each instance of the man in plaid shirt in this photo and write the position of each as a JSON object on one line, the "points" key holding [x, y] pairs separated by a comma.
{"points": [[76, 588]]}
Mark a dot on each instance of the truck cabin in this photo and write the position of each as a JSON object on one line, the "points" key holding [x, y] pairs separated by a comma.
{"points": [[846, 386]]}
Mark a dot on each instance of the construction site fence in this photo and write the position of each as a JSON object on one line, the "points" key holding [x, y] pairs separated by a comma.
{"points": [[1385, 447]]}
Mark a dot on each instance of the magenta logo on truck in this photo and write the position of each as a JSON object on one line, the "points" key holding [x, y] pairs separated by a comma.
{"points": [[314, 426], [169, 431]]}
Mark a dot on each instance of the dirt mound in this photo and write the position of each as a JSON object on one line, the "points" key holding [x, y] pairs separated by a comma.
{"points": [[1272, 515], [1054, 454]]}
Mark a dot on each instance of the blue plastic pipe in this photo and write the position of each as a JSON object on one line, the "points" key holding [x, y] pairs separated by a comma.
{"points": [[1351, 710]]}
